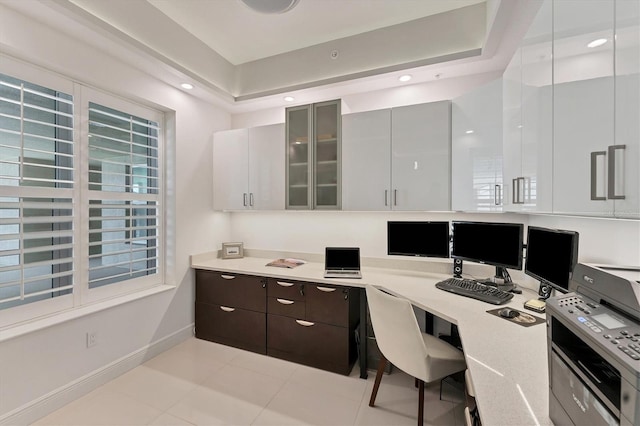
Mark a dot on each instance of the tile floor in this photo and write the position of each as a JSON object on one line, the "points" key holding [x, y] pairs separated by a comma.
{"points": [[203, 383]]}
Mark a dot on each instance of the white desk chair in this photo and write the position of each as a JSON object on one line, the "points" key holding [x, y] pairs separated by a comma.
{"points": [[400, 341]]}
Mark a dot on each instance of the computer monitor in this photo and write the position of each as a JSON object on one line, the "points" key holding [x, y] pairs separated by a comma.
{"points": [[497, 244], [551, 256], [424, 239]]}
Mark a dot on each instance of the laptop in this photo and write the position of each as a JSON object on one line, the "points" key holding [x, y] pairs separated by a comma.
{"points": [[342, 262]]}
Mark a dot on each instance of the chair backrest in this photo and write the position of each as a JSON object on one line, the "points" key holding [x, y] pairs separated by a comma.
{"points": [[397, 333]]}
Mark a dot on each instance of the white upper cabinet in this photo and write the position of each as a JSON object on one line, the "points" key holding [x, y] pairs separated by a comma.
{"points": [[397, 159], [421, 157], [527, 127], [584, 107], [627, 106], [366, 164], [476, 149], [249, 168]]}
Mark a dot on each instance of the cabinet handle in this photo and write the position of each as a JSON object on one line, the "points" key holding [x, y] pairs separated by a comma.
{"points": [[594, 175], [497, 195], [244, 199], [395, 197], [251, 199], [305, 323], [284, 284], [227, 277], [517, 195], [226, 309], [326, 289], [611, 192], [386, 197], [285, 301]]}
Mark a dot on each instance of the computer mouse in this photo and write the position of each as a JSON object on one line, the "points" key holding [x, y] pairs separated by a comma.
{"points": [[508, 313]]}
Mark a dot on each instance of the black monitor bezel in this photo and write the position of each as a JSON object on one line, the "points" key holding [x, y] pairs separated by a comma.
{"points": [[484, 262], [439, 222], [574, 257]]}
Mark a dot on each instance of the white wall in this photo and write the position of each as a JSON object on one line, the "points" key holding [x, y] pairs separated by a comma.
{"points": [[39, 364]]}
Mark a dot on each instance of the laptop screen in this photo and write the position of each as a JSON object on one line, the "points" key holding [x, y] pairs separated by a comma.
{"points": [[342, 258]]}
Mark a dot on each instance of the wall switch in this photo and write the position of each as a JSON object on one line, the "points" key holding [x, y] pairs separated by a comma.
{"points": [[92, 339]]}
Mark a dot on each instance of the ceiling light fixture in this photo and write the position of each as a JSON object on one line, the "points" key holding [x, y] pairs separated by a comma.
{"points": [[187, 86], [597, 42], [405, 77], [469, 132], [271, 6], [289, 99]]}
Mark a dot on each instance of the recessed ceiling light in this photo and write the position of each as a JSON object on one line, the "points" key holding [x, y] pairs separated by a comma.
{"points": [[289, 98], [405, 77], [597, 42], [187, 86], [469, 132]]}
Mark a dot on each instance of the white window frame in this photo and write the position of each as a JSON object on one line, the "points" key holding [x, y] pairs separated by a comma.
{"points": [[81, 295]]}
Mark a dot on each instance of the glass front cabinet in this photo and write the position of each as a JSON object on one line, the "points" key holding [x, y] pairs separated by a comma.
{"points": [[313, 156]]}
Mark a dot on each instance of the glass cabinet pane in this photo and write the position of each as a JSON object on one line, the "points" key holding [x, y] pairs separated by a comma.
{"points": [[326, 154], [298, 156]]}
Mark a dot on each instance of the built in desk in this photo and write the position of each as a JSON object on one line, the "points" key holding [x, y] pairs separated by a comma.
{"points": [[508, 362]]}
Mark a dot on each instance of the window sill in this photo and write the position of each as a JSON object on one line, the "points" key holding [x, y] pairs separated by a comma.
{"points": [[12, 332]]}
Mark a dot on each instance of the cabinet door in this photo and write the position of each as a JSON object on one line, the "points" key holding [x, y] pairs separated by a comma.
{"points": [[536, 149], [230, 170], [476, 149], [299, 157], [232, 326], [267, 167], [233, 290], [421, 156], [512, 131], [366, 160], [583, 93], [326, 155], [627, 103]]}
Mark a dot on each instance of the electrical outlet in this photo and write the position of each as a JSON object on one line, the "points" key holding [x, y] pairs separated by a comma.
{"points": [[92, 339]]}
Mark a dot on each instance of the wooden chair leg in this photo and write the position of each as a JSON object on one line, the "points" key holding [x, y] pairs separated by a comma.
{"points": [[381, 365], [420, 402]]}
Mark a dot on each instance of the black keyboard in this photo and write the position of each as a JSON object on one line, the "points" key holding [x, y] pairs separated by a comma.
{"points": [[470, 288]]}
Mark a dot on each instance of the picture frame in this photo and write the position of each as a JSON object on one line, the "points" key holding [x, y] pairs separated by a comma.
{"points": [[232, 251]]}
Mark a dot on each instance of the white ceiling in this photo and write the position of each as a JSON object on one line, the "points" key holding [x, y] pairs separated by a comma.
{"points": [[207, 43], [240, 34]]}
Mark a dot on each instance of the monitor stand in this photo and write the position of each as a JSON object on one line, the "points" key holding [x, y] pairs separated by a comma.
{"points": [[502, 280]]}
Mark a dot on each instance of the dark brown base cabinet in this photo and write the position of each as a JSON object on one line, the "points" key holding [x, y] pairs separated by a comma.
{"points": [[308, 323]]}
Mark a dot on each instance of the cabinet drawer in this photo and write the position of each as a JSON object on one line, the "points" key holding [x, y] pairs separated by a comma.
{"points": [[318, 345], [236, 327], [228, 289], [286, 289], [286, 307], [329, 304]]}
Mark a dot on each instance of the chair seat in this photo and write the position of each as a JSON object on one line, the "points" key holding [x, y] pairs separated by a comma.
{"points": [[443, 358]]}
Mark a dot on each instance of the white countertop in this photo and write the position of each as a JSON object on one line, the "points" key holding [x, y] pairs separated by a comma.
{"points": [[508, 362]]}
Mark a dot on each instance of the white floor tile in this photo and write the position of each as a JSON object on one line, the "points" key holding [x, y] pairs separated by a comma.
{"points": [[104, 408], [203, 383]]}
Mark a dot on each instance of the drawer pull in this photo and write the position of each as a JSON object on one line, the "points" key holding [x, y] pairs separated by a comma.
{"points": [[227, 277], [285, 301], [226, 309], [326, 289], [305, 323], [284, 284]]}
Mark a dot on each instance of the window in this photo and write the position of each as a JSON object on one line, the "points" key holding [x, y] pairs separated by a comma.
{"points": [[80, 205]]}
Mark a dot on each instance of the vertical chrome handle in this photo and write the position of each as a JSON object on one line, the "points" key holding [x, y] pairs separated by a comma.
{"points": [[524, 190], [594, 175], [244, 199], [251, 199], [497, 195], [395, 197], [386, 197], [515, 191], [612, 192]]}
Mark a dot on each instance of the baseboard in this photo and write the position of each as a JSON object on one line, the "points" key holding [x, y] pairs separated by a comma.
{"points": [[62, 396]]}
